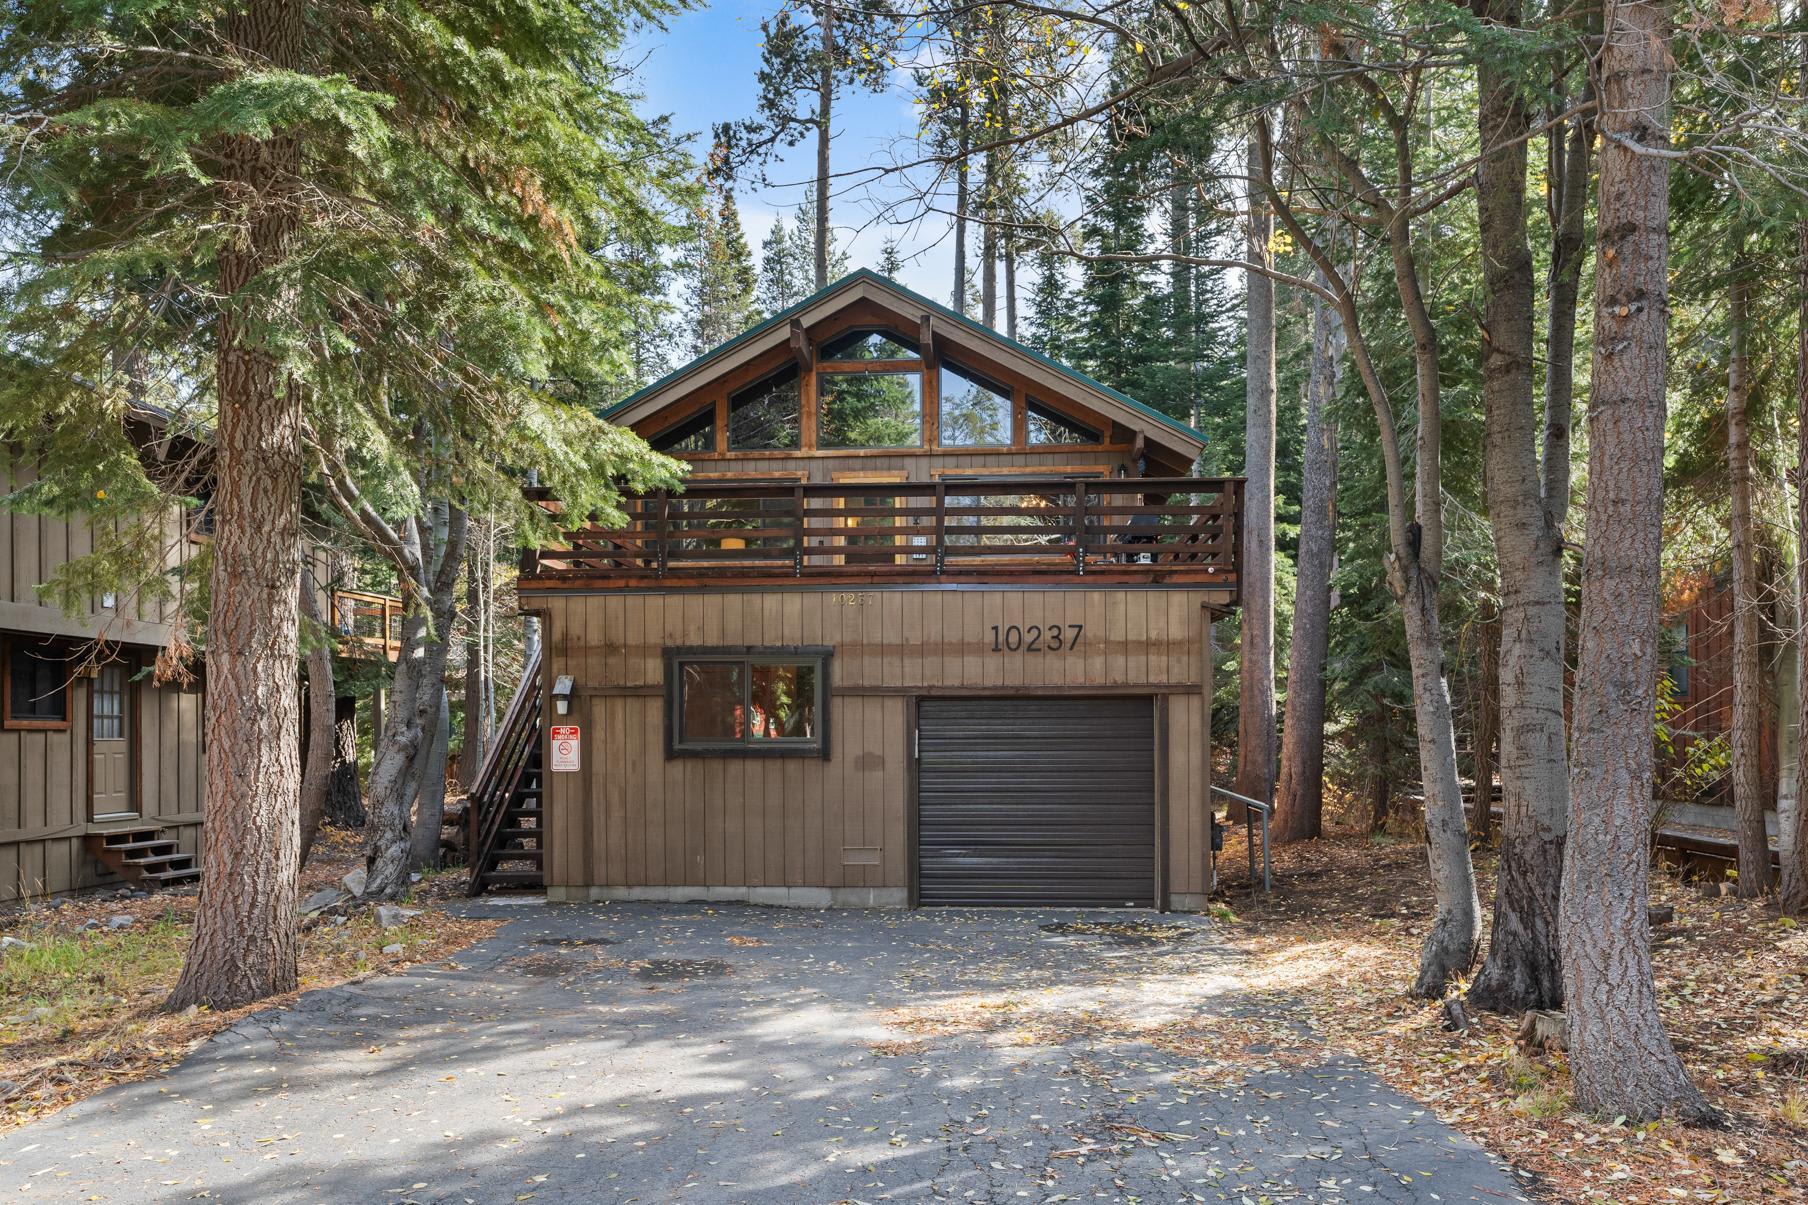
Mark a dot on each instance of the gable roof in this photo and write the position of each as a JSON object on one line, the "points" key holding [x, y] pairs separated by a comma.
{"points": [[864, 283]]}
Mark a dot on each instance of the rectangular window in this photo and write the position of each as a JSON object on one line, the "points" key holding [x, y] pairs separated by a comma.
{"points": [[752, 702], [869, 410], [37, 687], [109, 695]]}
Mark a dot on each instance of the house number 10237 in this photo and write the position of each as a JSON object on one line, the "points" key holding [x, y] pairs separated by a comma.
{"points": [[1055, 638]]}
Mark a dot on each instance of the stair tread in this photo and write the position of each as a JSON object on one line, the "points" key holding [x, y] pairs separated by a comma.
{"points": [[524, 877], [154, 859], [128, 846]]}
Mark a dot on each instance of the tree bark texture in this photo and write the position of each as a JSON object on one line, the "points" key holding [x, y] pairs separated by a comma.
{"points": [[345, 795], [1748, 685], [1793, 890], [1486, 734], [1255, 695], [244, 945], [317, 771], [430, 802], [1299, 795], [825, 111], [477, 727], [1522, 970], [1621, 1060]]}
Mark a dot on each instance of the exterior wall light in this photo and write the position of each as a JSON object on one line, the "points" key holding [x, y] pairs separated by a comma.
{"points": [[561, 694]]}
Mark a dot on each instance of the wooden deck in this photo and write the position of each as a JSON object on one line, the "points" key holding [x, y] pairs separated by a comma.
{"points": [[1179, 530]]}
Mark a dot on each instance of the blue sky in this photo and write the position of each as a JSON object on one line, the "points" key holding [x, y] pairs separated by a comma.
{"points": [[701, 70]]}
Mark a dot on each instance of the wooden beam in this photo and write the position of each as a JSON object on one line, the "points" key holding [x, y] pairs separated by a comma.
{"points": [[800, 346], [926, 337]]}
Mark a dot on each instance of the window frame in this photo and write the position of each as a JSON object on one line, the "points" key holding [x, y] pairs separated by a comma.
{"points": [[787, 373], [821, 407], [1054, 414], [9, 649], [984, 380], [747, 656]]}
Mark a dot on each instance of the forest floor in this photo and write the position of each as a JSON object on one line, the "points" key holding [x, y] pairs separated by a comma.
{"points": [[81, 1008], [1338, 942]]}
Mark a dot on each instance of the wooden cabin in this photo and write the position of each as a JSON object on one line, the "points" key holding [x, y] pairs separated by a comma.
{"points": [[101, 767], [98, 764], [927, 624]]}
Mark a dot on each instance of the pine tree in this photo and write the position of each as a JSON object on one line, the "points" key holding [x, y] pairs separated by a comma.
{"points": [[721, 279], [891, 261], [784, 277], [347, 241]]}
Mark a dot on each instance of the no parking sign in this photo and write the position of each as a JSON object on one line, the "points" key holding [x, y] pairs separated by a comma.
{"points": [[565, 746]]}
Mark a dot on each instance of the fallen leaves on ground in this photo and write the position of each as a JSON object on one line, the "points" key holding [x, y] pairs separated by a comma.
{"points": [[1338, 943], [82, 1008]]}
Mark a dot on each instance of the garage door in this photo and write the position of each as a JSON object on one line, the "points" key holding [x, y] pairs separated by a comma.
{"points": [[1036, 802]]}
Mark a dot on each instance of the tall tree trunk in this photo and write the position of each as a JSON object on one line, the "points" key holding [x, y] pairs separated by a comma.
{"points": [[1522, 970], [477, 729], [1748, 685], [962, 200], [825, 111], [1793, 891], [1487, 727], [1381, 787], [244, 945], [400, 764], [430, 799], [317, 772], [1621, 1059], [345, 796], [1299, 796], [1255, 695], [1009, 250]]}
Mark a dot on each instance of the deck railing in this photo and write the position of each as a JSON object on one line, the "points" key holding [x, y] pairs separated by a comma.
{"points": [[369, 625], [1181, 529]]}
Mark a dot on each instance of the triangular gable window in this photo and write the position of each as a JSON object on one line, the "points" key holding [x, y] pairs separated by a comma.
{"points": [[1049, 426], [869, 344]]}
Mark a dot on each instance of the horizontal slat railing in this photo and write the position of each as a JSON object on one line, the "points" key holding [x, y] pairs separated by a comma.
{"points": [[1168, 529]]}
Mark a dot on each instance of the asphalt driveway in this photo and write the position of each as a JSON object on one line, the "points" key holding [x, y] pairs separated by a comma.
{"points": [[732, 1053]]}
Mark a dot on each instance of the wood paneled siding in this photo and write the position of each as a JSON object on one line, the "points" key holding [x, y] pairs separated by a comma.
{"points": [[44, 775], [633, 818]]}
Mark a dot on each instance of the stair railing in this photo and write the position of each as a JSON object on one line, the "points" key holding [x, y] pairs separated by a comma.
{"points": [[500, 778]]}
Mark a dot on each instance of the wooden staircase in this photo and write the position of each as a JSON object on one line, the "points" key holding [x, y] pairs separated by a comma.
{"points": [[506, 838], [144, 857]]}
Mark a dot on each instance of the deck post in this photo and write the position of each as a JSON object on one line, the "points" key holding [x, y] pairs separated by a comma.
{"points": [[797, 522], [1079, 517], [941, 526], [660, 538]]}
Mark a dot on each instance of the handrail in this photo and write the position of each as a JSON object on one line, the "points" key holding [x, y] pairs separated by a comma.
{"points": [[1266, 810], [1170, 529], [502, 771], [346, 607]]}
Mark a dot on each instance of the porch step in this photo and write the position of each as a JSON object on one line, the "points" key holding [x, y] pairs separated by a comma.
{"points": [[143, 856]]}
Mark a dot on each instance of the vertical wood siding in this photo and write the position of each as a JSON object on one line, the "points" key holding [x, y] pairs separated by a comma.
{"points": [[634, 818]]}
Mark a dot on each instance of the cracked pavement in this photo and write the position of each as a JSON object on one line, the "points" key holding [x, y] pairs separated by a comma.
{"points": [[650, 1052]]}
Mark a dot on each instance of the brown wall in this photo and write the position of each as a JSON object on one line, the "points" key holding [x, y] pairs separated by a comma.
{"points": [[44, 773], [631, 818]]}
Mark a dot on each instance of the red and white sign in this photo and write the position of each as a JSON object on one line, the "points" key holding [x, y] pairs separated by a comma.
{"points": [[565, 746]]}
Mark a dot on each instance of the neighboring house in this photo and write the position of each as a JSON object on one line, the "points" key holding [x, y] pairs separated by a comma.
{"points": [[92, 752], [102, 768], [1699, 632], [927, 625]]}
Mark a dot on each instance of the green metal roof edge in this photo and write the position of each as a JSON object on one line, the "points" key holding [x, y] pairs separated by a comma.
{"points": [[955, 316]]}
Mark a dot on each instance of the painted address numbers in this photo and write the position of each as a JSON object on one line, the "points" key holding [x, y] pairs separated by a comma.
{"points": [[1055, 638]]}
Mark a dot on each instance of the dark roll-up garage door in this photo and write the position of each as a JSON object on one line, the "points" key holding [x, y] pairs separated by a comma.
{"points": [[1036, 802]]}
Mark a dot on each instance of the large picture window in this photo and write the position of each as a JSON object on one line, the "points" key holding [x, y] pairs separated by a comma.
{"points": [[37, 687], [770, 702], [869, 410]]}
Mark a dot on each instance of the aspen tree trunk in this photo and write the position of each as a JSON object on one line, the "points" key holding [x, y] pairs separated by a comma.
{"points": [[244, 945], [1621, 1059], [1299, 795], [317, 773], [477, 728], [1793, 891], [430, 801], [825, 109], [1522, 970], [1255, 706], [1748, 684]]}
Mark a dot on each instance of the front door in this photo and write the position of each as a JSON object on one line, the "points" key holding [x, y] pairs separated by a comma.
{"points": [[112, 734]]}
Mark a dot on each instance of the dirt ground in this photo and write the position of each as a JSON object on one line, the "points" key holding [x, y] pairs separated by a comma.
{"points": [[1337, 944], [81, 1008]]}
